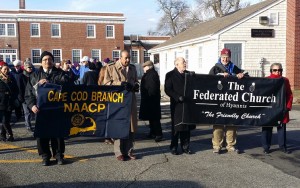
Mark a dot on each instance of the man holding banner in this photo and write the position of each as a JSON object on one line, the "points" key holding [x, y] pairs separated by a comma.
{"points": [[226, 68], [123, 73], [174, 88], [47, 73]]}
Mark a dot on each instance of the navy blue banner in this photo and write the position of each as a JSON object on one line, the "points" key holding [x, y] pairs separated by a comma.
{"points": [[231, 101], [103, 111]]}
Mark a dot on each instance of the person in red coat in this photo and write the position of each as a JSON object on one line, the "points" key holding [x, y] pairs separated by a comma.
{"points": [[276, 72]]}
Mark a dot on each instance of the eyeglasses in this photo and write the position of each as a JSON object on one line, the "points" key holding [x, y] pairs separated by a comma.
{"points": [[277, 70], [29, 67]]}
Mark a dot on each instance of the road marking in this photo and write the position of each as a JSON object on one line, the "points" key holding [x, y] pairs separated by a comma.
{"points": [[13, 147]]}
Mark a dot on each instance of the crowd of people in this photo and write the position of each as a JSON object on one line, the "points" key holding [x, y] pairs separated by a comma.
{"points": [[18, 92]]}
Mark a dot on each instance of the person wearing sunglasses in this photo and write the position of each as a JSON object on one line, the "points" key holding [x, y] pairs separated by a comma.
{"points": [[276, 72]]}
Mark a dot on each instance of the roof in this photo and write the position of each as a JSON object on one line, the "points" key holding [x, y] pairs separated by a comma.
{"points": [[217, 24]]}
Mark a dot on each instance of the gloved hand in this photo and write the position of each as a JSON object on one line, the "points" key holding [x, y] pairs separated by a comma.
{"points": [[136, 87], [181, 99], [127, 86]]}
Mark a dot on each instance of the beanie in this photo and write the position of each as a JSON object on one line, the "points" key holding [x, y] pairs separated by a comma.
{"points": [[45, 53], [17, 63], [226, 52]]}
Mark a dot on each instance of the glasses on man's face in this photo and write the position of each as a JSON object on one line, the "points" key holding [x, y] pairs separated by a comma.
{"points": [[29, 67], [277, 70]]}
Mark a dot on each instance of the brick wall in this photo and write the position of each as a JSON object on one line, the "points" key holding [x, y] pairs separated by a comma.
{"points": [[293, 43]]}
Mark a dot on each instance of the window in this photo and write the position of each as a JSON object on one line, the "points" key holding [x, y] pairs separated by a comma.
{"points": [[96, 54], [186, 54], [55, 30], [36, 55], [116, 55], [57, 55], [7, 30], [200, 56], [76, 55], [134, 56], [146, 56], [35, 29], [91, 31], [110, 31], [273, 18]]}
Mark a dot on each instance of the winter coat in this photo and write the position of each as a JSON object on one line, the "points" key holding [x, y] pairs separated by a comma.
{"points": [[57, 76], [220, 68], [150, 96], [114, 76], [289, 97], [19, 77], [90, 78], [174, 88], [8, 93]]}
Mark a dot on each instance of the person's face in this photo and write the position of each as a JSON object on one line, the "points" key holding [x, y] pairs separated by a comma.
{"points": [[47, 62], [145, 68], [29, 69], [125, 59], [5, 70], [225, 60], [67, 66], [17, 67], [181, 65], [276, 70]]}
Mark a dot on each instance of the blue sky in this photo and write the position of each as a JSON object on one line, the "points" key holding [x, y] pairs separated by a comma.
{"points": [[141, 15]]}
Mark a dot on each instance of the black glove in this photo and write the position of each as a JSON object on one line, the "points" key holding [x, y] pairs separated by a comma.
{"points": [[127, 86], [181, 99], [136, 87]]}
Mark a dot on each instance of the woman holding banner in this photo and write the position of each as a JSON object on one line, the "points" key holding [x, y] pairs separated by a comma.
{"points": [[276, 72]]}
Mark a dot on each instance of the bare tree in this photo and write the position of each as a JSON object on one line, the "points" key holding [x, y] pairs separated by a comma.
{"points": [[220, 7], [176, 17]]}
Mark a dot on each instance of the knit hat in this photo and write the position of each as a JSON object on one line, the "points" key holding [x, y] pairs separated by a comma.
{"points": [[148, 63], [2, 63], [46, 53], [17, 63], [27, 64], [226, 52], [85, 58], [106, 60]]}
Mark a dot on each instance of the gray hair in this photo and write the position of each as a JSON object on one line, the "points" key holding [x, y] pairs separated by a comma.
{"points": [[178, 59], [276, 64]]}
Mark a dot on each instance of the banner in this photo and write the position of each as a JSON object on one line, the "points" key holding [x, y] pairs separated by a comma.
{"points": [[103, 111], [231, 101]]}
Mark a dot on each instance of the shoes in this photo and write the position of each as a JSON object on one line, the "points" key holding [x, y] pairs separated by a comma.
{"points": [[131, 157], [3, 139], [60, 161], [108, 141], [234, 150], [10, 139], [158, 138], [284, 150], [46, 162], [187, 151], [151, 136], [216, 151], [30, 129], [266, 151], [174, 151], [120, 158]]}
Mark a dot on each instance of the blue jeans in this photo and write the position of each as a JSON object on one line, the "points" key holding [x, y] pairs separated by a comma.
{"points": [[28, 115]]}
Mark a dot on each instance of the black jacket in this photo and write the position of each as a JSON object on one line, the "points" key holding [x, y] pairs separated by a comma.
{"points": [[19, 77], [150, 96], [174, 88], [57, 76], [90, 78], [8, 93], [219, 68]]}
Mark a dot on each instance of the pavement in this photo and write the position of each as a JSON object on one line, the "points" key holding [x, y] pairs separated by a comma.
{"points": [[91, 163]]}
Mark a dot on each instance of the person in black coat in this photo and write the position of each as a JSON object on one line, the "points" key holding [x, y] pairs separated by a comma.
{"points": [[174, 88], [47, 73], [150, 100], [91, 76], [8, 94], [17, 72]]}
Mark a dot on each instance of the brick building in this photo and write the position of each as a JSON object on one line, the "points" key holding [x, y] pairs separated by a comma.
{"points": [[69, 35]]}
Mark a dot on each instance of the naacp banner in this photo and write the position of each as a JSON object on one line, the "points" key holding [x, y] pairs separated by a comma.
{"points": [[212, 99], [103, 111]]}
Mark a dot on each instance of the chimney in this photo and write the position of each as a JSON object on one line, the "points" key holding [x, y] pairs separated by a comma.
{"points": [[21, 4]]}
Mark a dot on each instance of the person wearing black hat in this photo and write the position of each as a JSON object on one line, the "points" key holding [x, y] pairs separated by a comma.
{"points": [[47, 73]]}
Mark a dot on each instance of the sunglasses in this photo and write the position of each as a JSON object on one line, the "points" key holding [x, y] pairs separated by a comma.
{"points": [[277, 70], [29, 67]]}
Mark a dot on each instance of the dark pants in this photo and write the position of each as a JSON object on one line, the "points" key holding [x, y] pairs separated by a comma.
{"points": [[184, 139], [266, 137], [155, 127], [6, 127], [28, 115], [57, 146], [19, 112]]}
